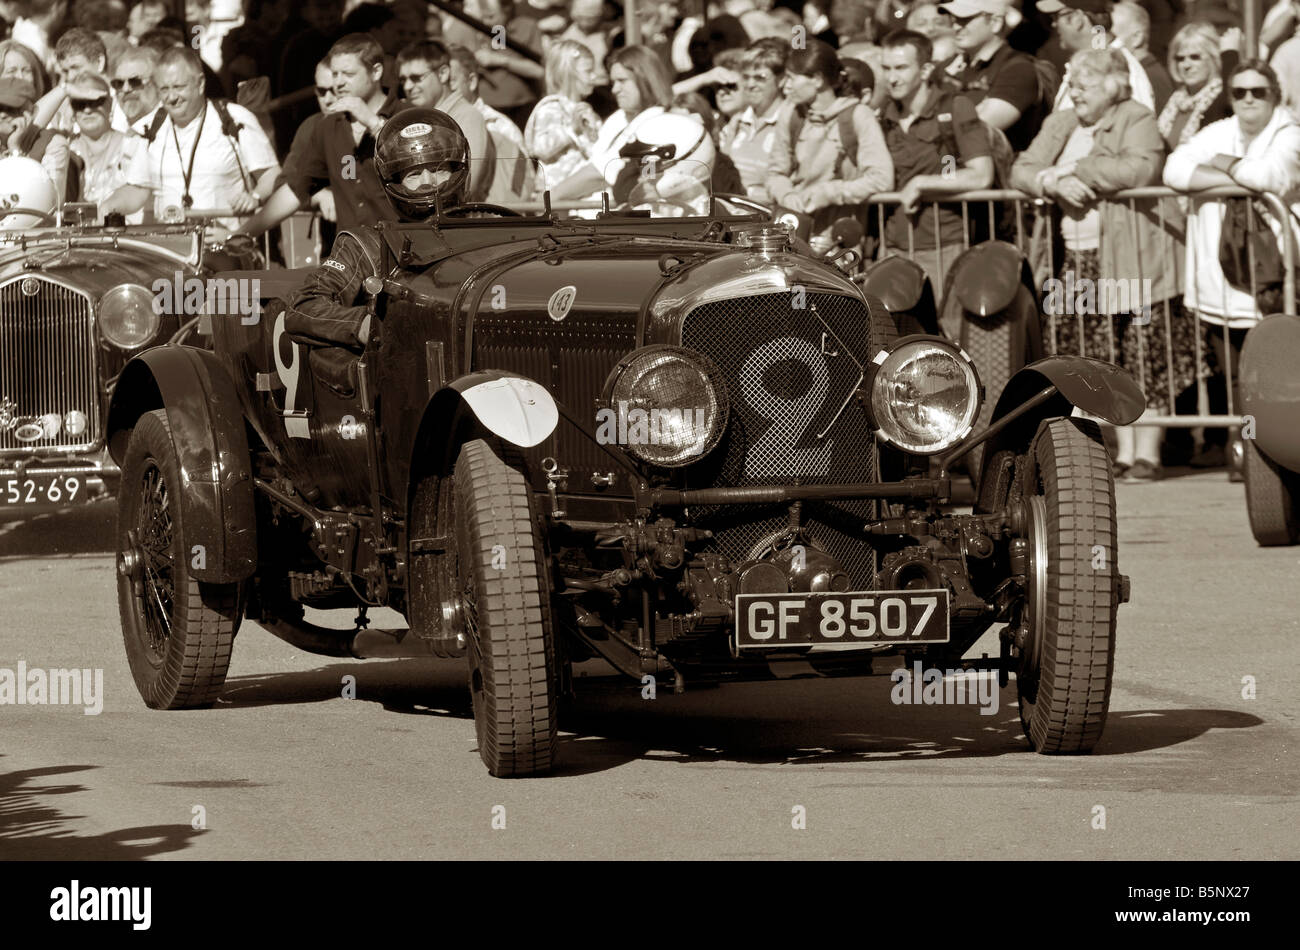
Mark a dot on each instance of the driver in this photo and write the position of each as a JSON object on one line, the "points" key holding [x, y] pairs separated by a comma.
{"points": [[422, 159]]}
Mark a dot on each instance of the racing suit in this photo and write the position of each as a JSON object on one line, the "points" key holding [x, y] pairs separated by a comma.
{"points": [[330, 308]]}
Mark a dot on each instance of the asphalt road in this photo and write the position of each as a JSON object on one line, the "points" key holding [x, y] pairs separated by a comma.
{"points": [[284, 767]]}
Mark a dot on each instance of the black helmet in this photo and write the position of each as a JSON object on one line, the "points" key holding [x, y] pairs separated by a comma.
{"points": [[416, 138]]}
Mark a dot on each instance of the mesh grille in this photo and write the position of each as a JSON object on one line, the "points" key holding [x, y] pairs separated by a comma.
{"points": [[47, 363], [789, 377]]}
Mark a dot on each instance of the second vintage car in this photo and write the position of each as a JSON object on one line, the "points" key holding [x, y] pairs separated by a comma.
{"points": [[668, 442]]}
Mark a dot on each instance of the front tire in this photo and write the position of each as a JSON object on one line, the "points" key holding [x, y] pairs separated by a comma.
{"points": [[178, 630], [1272, 498], [505, 603], [1073, 588]]}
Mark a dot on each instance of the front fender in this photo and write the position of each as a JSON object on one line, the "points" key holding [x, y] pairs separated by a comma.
{"points": [[984, 278], [211, 445], [1270, 388], [1099, 388], [512, 407]]}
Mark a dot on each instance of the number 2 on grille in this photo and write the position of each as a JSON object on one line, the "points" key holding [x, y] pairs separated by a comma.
{"points": [[777, 451]]}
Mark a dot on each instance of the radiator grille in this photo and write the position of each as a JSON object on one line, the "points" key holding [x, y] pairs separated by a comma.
{"points": [[789, 377], [47, 364]]}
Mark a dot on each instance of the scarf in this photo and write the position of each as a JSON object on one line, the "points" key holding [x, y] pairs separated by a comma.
{"points": [[1181, 101]]}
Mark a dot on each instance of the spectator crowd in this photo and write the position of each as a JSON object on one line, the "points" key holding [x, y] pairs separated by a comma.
{"points": [[815, 107]]}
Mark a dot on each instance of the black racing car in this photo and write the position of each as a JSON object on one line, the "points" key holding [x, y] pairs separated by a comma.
{"points": [[669, 442]]}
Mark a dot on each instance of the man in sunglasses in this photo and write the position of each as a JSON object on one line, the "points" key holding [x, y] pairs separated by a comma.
{"points": [[1086, 24], [106, 153], [134, 87], [17, 103]]}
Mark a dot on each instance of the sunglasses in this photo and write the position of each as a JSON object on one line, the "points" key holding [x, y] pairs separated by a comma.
{"points": [[728, 87], [130, 83], [1189, 57], [1263, 93], [961, 22], [87, 105]]}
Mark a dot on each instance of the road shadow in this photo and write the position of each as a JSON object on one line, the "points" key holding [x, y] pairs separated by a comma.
{"points": [[412, 686], [793, 723], [88, 529], [33, 828]]}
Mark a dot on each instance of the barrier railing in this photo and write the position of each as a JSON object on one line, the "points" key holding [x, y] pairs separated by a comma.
{"points": [[1007, 215]]}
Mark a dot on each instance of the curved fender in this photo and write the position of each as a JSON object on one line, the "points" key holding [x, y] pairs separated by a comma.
{"points": [[513, 407], [897, 281], [208, 433], [984, 278], [1095, 386], [1270, 388]]}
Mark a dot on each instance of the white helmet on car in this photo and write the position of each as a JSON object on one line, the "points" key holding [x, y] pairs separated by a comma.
{"points": [[676, 151], [24, 184]]}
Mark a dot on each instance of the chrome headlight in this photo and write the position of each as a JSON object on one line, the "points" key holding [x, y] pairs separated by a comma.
{"points": [[127, 316], [925, 396], [667, 405]]}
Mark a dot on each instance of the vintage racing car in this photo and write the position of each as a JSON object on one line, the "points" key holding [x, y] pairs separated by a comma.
{"points": [[77, 301], [665, 441]]}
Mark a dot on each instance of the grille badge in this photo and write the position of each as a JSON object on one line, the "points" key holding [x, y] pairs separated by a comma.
{"points": [[31, 286]]}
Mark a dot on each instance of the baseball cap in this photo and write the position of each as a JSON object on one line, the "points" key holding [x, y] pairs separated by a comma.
{"points": [[16, 93], [968, 8], [1088, 6]]}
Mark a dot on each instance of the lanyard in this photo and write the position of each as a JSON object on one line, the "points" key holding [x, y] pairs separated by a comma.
{"points": [[188, 174]]}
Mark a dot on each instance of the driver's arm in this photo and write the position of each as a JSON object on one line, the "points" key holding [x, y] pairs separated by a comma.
{"points": [[579, 185], [128, 200], [324, 310], [283, 202]]}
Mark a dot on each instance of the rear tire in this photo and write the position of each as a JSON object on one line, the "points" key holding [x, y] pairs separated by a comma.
{"points": [[178, 630], [1067, 659], [505, 600], [1272, 498]]}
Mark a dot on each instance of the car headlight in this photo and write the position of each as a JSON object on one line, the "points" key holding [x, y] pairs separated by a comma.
{"points": [[667, 405], [925, 395], [127, 316]]}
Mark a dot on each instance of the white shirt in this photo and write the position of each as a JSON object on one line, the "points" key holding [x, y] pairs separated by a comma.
{"points": [[1270, 163], [215, 174], [1138, 81]]}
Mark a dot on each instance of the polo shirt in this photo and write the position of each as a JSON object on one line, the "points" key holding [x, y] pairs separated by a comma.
{"points": [[359, 196], [748, 141], [214, 172], [1008, 75], [920, 150]]}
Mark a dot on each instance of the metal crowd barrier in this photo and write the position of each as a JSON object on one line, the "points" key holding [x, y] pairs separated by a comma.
{"points": [[1011, 215]]}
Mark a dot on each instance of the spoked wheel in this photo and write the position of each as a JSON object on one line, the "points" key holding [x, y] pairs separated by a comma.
{"points": [[1272, 498], [1066, 639], [506, 614], [178, 630]]}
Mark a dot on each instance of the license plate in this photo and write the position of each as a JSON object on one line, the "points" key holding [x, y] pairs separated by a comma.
{"points": [[41, 489], [847, 621]]}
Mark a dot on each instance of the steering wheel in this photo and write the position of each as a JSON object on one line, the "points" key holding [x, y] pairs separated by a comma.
{"points": [[45, 216], [474, 206]]}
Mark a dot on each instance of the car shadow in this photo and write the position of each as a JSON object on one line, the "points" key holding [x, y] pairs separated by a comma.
{"points": [[88, 529], [791, 723], [34, 828]]}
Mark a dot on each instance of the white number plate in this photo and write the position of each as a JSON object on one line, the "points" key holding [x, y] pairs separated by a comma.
{"points": [[41, 489], [844, 621]]}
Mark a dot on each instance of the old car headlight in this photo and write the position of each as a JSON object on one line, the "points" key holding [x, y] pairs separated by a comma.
{"points": [[127, 316], [925, 395], [666, 404]]}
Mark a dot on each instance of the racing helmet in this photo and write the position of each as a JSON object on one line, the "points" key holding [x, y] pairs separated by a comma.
{"points": [[422, 138], [25, 185], [684, 153]]}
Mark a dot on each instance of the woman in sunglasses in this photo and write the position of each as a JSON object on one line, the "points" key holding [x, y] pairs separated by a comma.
{"points": [[1197, 59], [1257, 148], [105, 152]]}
